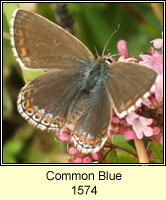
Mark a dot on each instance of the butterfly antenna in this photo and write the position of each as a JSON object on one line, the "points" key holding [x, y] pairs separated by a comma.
{"points": [[117, 28], [97, 53]]}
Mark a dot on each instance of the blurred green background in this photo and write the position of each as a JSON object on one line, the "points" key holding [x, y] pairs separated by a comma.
{"points": [[92, 24]]}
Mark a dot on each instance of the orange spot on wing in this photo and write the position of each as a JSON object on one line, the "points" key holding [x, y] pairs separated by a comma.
{"points": [[82, 138], [136, 96], [47, 119], [38, 115], [23, 52], [86, 140], [75, 132], [28, 93], [31, 110], [128, 103], [91, 142], [27, 103], [104, 131], [97, 140], [21, 41], [60, 123]]}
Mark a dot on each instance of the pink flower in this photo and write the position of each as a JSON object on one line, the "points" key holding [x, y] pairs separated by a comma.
{"points": [[96, 155], [127, 59], [155, 61], [65, 137], [159, 90], [129, 135], [78, 160], [122, 48], [115, 120], [140, 125], [87, 159], [161, 139], [122, 129], [156, 130], [72, 151], [157, 43], [58, 132]]}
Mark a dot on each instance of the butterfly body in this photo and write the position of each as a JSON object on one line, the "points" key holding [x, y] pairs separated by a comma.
{"points": [[75, 89], [95, 74]]}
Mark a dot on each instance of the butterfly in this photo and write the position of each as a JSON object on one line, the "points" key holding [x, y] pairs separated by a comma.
{"points": [[76, 89]]}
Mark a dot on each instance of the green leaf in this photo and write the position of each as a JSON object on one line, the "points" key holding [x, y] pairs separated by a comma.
{"points": [[112, 156], [118, 138], [123, 156], [29, 74], [7, 158], [157, 149], [9, 9], [7, 104], [13, 146]]}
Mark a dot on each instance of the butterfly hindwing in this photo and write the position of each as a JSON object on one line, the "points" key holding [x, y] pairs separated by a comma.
{"points": [[45, 101], [92, 129]]}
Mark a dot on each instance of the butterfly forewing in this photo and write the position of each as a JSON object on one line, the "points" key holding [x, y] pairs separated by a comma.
{"points": [[39, 43]]}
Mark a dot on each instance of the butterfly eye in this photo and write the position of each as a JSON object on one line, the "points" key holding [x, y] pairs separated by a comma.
{"points": [[108, 60]]}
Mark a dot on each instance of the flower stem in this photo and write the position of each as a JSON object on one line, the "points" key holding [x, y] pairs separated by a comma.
{"points": [[141, 150], [114, 146]]}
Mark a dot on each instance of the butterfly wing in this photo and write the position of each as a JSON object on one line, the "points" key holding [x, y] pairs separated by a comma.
{"points": [[45, 101], [128, 84], [40, 44], [92, 129]]}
